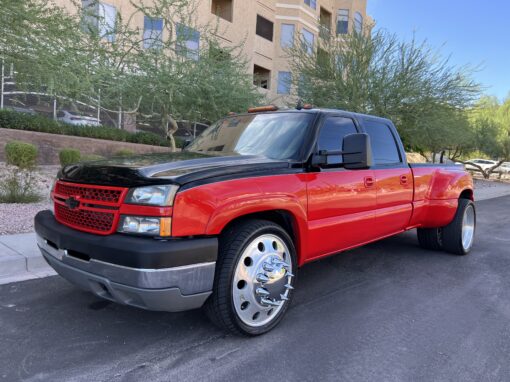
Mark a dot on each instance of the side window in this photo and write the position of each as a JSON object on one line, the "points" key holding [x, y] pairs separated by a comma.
{"points": [[384, 146], [332, 135]]}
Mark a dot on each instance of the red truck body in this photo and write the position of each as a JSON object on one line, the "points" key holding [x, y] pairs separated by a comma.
{"points": [[155, 231], [320, 205]]}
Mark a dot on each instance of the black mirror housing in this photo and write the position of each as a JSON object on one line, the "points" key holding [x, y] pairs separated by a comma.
{"points": [[357, 151]]}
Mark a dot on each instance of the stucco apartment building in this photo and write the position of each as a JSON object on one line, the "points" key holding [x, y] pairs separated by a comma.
{"points": [[265, 27]]}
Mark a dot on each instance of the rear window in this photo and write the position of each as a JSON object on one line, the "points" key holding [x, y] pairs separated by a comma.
{"points": [[384, 145]]}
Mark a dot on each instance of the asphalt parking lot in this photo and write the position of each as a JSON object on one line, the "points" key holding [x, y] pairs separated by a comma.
{"points": [[389, 311]]}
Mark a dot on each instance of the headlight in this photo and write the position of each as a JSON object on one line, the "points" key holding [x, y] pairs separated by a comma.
{"points": [[153, 195], [145, 225]]}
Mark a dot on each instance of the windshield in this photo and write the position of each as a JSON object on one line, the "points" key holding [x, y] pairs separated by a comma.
{"points": [[275, 136]]}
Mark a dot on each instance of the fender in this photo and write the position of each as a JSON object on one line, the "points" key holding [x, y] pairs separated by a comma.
{"points": [[437, 191], [208, 209]]}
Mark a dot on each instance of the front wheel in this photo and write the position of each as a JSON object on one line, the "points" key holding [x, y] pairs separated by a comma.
{"points": [[254, 278], [458, 236]]}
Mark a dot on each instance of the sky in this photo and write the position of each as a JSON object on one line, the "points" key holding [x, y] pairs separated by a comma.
{"points": [[475, 33]]}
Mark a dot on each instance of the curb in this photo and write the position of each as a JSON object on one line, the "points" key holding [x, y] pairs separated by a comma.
{"points": [[20, 259]]}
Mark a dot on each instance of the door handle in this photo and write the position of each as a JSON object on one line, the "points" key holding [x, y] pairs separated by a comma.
{"points": [[403, 179], [369, 181]]}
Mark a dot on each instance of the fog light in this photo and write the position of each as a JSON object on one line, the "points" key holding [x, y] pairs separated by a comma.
{"points": [[145, 225]]}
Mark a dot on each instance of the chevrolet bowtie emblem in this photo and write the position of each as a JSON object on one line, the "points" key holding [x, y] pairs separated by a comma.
{"points": [[72, 203]]}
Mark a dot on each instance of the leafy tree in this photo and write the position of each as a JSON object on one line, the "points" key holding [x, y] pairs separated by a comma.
{"points": [[376, 73], [490, 121], [157, 76]]}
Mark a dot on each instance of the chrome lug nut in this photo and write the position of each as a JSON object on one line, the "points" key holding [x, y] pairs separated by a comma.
{"points": [[262, 278], [267, 301], [262, 292], [268, 267]]}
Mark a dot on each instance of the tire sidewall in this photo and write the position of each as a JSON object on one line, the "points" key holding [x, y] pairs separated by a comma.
{"points": [[468, 204]]}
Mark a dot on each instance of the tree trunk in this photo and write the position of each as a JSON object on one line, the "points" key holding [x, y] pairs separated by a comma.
{"points": [[170, 125], [441, 158]]}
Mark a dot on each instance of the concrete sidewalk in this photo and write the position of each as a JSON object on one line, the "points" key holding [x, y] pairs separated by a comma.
{"points": [[20, 259]]}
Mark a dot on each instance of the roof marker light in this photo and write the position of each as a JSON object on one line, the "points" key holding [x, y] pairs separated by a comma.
{"points": [[262, 109]]}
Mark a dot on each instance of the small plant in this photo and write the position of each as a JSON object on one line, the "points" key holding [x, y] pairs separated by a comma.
{"points": [[91, 158], [19, 185], [21, 154], [69, 156], [124, 153]]}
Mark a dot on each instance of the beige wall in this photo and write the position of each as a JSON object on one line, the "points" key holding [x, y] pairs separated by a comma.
{"points": [[259, 51]]}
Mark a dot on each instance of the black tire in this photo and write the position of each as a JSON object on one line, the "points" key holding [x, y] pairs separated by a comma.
{"points": [[430, 238], [452, 233], [220, 306]]}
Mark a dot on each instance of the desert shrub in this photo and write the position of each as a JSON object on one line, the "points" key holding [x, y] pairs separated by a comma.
{"points": [[91, 158], [69, 156], [21, 154], [19, 187], [124, 153]]}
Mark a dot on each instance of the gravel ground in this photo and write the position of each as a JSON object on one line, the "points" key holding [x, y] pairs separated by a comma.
{"points": [[18, 218]]}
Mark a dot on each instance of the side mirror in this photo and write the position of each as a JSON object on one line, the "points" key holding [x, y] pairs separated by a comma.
{"points": [[357, 151]]}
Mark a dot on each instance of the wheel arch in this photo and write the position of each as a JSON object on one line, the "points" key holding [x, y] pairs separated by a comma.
{"points": [[284, 218], [467, 194]]}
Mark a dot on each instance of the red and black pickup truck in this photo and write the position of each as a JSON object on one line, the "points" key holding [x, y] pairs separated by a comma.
{"points": [[227, 222]]}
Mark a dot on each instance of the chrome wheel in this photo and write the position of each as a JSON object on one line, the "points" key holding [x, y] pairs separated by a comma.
{"points": [[468, 227], [262, 280]]}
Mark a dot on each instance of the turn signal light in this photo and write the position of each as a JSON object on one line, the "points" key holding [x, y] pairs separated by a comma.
{"points": [[165, 227]]}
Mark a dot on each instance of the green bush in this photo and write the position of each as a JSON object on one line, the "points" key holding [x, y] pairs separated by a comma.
{"points": [[12, 120], [91, 158], [19, 187], [124, 153], [21, 154], [69, 156]]}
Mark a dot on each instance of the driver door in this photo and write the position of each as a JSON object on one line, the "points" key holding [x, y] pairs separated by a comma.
{"points": [[341, 203]]}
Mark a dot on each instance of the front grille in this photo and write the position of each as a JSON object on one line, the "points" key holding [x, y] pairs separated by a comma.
{"points": [[80, 219], [88, 208], [90, 193]]}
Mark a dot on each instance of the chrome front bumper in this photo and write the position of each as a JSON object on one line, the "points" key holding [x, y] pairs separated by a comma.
{"points": [[169, 289]]}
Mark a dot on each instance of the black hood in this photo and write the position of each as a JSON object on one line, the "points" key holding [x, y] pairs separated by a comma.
{"points": [[174, 168]]}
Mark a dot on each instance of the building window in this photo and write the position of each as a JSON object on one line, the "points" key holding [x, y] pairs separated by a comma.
{"points": [[311, 3], [284, 82], [152, 32], [223, 9], [287, 35], [99, 18], [358, 22], [261, 77], [308, 40], [264, 28], [188, 41], [325, 24], [342, 21]]}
